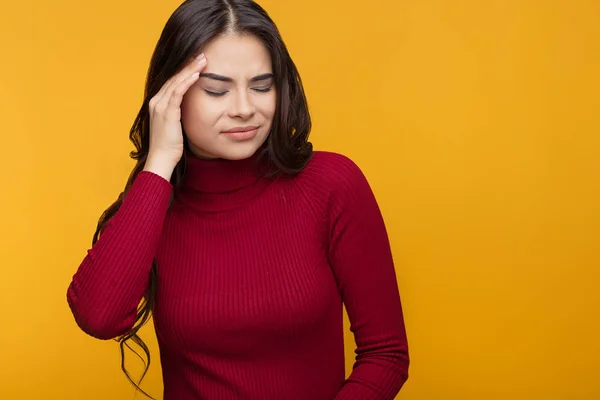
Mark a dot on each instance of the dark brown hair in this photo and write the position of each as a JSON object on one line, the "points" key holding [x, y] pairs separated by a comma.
{"points": [[189, 28]]}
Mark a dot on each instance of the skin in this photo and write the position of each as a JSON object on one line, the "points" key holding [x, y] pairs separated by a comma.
{"points": [[207, 107], [241, 102]]}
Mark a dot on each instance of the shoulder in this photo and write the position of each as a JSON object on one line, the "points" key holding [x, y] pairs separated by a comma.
{"points": [[332, 174], [333, 165], [334, 188]]}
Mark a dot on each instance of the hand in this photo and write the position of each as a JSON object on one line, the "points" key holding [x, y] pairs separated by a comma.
{"points": [[166, 137]]}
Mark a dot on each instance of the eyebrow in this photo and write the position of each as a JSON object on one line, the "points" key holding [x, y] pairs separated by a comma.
{"points": [[222, 78]]}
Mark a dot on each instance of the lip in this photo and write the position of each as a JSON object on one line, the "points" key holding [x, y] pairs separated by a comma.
{"points": [[245, 133], [242, 129]]}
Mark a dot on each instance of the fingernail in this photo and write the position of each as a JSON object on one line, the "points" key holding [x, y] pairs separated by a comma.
{"points": [[200, 57]]}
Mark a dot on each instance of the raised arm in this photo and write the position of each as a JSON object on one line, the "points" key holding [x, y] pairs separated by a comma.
{"points": [[112, 278]]}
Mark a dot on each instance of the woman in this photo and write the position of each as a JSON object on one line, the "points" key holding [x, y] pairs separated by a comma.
{"points": [[241, 241]]}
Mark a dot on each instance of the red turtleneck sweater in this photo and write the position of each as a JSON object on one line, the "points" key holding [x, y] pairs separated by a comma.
{"points": [[252, 274]]}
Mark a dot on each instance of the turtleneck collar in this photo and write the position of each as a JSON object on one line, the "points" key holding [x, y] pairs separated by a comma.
{"points": [[219, 184]]}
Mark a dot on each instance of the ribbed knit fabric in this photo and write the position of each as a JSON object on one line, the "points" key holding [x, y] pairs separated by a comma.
{"points": [[252, 273]]}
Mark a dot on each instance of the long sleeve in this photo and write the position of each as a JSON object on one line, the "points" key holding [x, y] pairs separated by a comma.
{"points": [[109, 284], [361, 258]]}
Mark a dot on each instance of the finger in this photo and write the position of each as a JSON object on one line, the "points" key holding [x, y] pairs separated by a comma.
{"points": [[195, 65], [173, 106]]}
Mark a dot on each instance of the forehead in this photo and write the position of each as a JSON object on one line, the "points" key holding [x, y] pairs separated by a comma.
{"points": [[237, 56]]}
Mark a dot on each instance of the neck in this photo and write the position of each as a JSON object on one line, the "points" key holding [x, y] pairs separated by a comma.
{"points": [[219, 184]]}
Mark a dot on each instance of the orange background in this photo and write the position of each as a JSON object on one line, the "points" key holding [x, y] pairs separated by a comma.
{"points": [[476, 123]]}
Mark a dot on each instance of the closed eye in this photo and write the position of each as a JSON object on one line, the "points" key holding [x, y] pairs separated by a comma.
{"points": [[215, 94], [219, 94], [264, 89]]}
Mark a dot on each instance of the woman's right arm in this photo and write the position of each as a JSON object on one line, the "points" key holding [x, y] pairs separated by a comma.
{"points": [[108, 286]]}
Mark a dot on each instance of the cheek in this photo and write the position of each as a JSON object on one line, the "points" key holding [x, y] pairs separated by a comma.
{"points": [[199, 114], [267, 106]]}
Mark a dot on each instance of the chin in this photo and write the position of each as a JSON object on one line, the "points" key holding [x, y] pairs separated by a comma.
{"points": [[239, 151], [228, 150]]}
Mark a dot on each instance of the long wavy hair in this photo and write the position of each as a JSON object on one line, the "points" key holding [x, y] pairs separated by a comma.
{"points": [[287, 148]]}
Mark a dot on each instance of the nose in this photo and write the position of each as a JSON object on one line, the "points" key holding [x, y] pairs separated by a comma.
{"points": [[242, 106]]}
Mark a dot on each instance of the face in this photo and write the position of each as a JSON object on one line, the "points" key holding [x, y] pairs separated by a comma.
{"points": [[235, 92]]}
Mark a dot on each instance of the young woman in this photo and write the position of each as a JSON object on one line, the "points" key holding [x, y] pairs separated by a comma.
{"points": [[240, 240]]}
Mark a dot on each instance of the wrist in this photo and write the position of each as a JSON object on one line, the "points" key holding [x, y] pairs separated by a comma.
{"points": [[160, 166]]}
